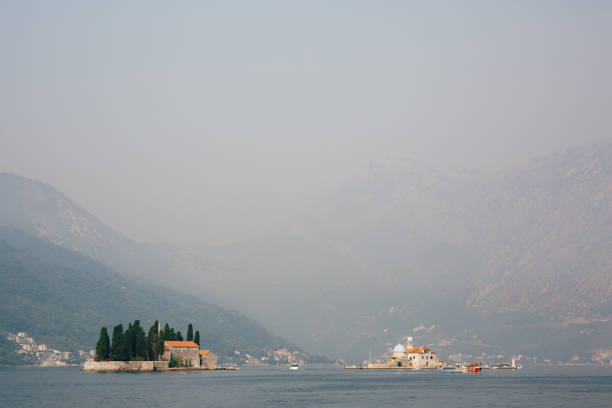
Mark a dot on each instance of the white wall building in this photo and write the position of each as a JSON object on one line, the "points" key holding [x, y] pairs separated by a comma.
{"points": [[409, 357]]}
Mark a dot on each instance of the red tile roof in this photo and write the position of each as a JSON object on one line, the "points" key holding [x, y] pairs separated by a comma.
{"points": [[180, 344], [421, 349], [204, 352]]}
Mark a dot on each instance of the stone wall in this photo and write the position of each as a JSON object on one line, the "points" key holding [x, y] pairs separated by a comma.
{"points": [[187, 355], [209, 361], [125, 366]]}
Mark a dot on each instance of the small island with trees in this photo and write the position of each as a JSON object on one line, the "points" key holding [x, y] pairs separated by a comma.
{"points": [[158, 350]]}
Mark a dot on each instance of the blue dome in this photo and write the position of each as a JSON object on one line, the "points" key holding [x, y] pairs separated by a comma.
{"points": [[399, 349]]}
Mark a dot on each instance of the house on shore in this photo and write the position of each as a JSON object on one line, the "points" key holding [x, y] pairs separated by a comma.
{"points": [[208, 359], [187, 353]]}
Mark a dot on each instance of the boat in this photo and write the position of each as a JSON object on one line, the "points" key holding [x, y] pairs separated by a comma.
{"points": [[294, 367], [506, 366], [474, 368], [447, 368]]}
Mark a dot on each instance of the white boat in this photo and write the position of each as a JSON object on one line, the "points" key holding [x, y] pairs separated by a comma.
{"points": [[447, 368], [506, 366], [294, 367]]}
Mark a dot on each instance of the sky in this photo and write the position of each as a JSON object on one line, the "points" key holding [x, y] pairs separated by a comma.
{"points": [[214, 122]]}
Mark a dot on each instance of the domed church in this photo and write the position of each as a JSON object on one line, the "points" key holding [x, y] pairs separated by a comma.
{"points": [[409, 357]]}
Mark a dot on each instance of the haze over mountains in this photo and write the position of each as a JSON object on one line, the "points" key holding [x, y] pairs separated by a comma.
{"points": [[53, 289], [513, 262], [62, 298]]}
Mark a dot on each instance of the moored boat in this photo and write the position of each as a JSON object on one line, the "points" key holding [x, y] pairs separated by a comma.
{"points": [[447, 368], [506, 366]]}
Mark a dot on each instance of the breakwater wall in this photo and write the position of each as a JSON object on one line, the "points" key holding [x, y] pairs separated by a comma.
{"points": [[126, 366]]}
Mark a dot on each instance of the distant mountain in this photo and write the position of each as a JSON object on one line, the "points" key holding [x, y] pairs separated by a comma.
{"points": [[483, 263], [549, 225], [41, 210], [507, 262], [62, 298]]}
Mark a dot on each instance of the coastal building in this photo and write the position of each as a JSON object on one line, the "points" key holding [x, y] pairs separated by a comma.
{"points": [[413, 358], [408, 358], [186, 352], [208, 359]]}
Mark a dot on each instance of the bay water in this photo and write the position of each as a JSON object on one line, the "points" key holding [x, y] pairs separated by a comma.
{"points": [[308, 387]]}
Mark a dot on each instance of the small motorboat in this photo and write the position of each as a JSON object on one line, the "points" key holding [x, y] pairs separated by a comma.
{"points": [[294, 367], [506, 366], [447, 368], [474, 368]]}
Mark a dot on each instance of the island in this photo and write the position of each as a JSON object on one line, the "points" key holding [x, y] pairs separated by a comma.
{"points": [[159, 350]]}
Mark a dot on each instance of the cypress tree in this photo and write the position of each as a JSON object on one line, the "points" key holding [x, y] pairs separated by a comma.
{"points": [[196, 339], [160, 345], [103, 346], [167, 332], [160, 342], [179, 336], [151, 342], [116, 350], [171, 334], [130, 341], [190, 332], [126, 349], [139, 340]]}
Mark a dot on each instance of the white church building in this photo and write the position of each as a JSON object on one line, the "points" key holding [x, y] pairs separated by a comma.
{"points": [[409, 357]]}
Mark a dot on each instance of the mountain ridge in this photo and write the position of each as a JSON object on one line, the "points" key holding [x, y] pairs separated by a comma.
{"points": [[62, 298], [519, 255]]}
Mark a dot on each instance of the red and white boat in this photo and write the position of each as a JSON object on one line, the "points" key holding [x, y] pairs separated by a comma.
{"points": [[474, 368]]}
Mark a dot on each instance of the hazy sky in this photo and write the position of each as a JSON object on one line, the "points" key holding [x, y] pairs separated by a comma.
{"points": [[211, 122]]}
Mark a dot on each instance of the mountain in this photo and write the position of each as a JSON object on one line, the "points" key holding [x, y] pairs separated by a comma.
{"points": [[62, 298], [523, 256], [510, 262], [43, 211], [476, 263]]}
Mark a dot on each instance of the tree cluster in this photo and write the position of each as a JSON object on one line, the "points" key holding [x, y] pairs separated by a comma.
{"points": [[133, 344]]}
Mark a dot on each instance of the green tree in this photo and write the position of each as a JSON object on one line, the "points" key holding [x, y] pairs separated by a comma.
{"points": [[116, 350], [196, 339], [128, 345], [103, 345], [179, 336], [151, 342], [163, 336], [190, 332], [138, 334], [126, 349]]}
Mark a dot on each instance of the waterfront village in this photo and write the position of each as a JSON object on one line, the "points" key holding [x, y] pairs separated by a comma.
{"points": [[41, 354]]}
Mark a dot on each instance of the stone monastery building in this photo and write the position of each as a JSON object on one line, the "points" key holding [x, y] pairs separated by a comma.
{"points": [[188, 353]]}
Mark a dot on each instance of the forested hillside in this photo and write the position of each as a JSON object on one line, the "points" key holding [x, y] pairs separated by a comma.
{"points": [[61, 298]]}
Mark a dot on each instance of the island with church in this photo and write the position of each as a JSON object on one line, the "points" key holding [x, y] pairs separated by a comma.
{"points": [[159, 350], [407, 358]]}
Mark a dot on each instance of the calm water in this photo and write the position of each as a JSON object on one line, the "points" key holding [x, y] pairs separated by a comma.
{"points": [[530, 387]]}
